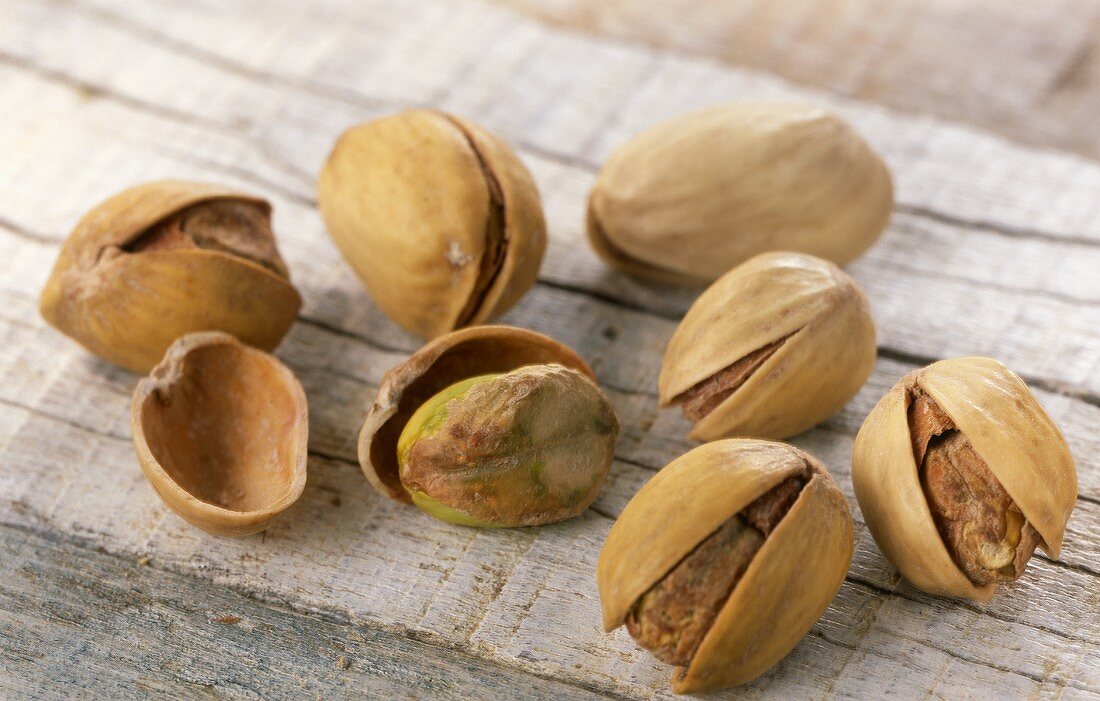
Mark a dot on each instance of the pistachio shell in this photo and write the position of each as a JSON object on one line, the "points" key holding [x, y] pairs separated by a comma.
{"points": [[439, 364], [1007, 428], [220, 431], [440, 219], [816, 323], [787, 585], [688, 199], [127, 306]]}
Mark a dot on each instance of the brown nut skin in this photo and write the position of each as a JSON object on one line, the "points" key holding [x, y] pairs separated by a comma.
{"points": [[127, 303], [220, 430], [788, 583], [440, 220], [794, 331], [688, 199], [457, 356], [1005, 427]]}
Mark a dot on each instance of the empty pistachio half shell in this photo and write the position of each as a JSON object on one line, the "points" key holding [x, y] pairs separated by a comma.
{"points": [[772, 348], [960, 474], [440, 219], [164, 259], [725, 558], [490, 426], [220, 431], [690, 198]]}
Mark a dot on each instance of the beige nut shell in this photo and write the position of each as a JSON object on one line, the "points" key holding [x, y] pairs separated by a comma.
{"points": [[690, 198], [439, 364], [1007, 427], [788, 584], [416, 202], [828, 355], [129, 308], [220, 430]]}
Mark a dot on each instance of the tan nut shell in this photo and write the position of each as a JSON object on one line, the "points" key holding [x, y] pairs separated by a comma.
{"points": [[409, 200], [807, 379], [690, 198], [788, 584], [456, 356], [220, 431], [1007, 427], [128, 309]]}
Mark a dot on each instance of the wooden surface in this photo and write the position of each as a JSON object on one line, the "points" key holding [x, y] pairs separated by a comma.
{"points": [[994, 249]]}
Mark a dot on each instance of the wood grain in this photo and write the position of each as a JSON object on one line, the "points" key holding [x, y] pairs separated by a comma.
{"points": [[1029, 71], [994, 250]]}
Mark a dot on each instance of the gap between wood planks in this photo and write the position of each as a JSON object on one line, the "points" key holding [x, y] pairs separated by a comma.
{"points": [[359, 99]]}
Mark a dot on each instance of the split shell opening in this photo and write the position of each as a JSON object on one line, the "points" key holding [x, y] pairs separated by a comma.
{"points": [[960, 474], [761, 517], [166, 258]]}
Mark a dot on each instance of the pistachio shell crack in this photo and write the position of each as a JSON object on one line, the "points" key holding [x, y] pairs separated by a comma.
{"points": [[983, 529], [496, 235], [705, 396], [239, 228], [672, 618]]}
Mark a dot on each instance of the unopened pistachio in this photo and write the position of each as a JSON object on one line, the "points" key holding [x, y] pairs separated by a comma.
{"points": [[725, 558], [692, 197], [772, 348], [960, 475], [440, 219]]}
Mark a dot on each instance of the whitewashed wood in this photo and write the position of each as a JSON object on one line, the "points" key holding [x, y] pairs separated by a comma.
{"points": [[135, 631], [1028, 70], [83, 118]]}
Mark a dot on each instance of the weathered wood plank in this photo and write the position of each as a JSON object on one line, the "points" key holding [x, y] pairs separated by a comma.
{"points": [[80, 624], [1053, 608], [928, 258], [1025, 70]]}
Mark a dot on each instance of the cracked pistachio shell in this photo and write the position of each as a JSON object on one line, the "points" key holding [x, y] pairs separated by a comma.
{"points": [[816, 314], [1007, 428], [687, 200], [220, 429], [127, 305], [787, 585], [440, 219], [457, 356]]}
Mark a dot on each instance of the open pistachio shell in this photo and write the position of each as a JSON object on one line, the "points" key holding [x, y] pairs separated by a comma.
{"points": [[786, 586], [1023, 478], [220, 431], [440, 219], [690, 198], [772, 348], [164, 259], [441, 363]]}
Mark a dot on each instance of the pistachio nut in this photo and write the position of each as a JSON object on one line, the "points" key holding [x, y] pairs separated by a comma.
{"points": [[960, 474], [166, 258], [725, 558], [490, 426], [440, 219], [687, 200], [220, 431], [772, 348]]}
